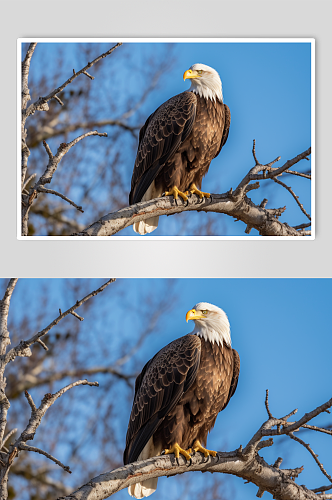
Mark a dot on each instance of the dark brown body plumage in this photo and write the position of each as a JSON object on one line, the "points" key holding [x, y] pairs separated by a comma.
{"points": [[179, 394], [178, 142]]}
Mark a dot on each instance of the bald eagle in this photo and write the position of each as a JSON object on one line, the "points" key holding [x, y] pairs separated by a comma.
{"points": [[178, 142], [180, 392]]}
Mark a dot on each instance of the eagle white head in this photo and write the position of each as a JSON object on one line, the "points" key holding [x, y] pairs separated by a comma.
{"points": [[211, 323], [205, 81]]}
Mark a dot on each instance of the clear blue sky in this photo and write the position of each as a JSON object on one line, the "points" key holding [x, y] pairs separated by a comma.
{"points": [[280, 327], [267, 87]]}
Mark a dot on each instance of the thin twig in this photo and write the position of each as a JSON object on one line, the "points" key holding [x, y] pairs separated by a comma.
{"points": [[277, 463], [9, 435], [16, 351], [318, 429], [48, 150], [42, 189], [300, 174], [40, 104], [46, 134], [253, 174], [307, 446], [77, 316], [254, 152], [89, 76], [77, 372], [32, 176], [296, 198], [44, 346], [25, 447], [30, 401], [322, 488], [267, 404], [58, 100], [36, 417], [62, 150], [302, 226], [286, 417]]}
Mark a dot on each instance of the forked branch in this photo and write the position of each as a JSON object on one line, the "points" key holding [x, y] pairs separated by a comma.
{"points": [[233, 203], [41, 103], [243, 462], [9, 454], [23, 348], [28, 197], [35, 419]]}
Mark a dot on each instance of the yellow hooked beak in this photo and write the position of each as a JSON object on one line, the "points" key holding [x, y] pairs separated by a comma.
{"points": [[190, 74], [193, 314]]}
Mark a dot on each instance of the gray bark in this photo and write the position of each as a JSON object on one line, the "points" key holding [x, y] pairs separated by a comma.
{"points": [[233, 203], [245, 463]]}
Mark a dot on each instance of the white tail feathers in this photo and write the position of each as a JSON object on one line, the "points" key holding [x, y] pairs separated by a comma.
{"points": [[148, 225], [146, 488]]}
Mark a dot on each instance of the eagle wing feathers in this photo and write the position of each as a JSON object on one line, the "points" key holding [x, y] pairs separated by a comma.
{"points": [[159, 139], [227, 124], [235, 378], [159, 387]]}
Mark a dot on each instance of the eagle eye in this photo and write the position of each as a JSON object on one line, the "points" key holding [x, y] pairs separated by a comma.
{"points": [[199, 71], [204, 312]]}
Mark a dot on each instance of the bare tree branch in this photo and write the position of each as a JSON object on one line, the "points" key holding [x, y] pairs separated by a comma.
{"points": [[268, 172], [9, 455], [37, 381], [42, 101], [41, 104], [313, 454], [9, 435], [322, 488], [302, 226], [25, 99], [27, 200], [245, 463], [318, 429], [62, 150], [299, 174], [23, 348], [4, 342], [30, 178], [244, 210], [45, 134], [4, 310], [36, 416], [233, 203], [25, 447], [42, 189], [296, 198]]}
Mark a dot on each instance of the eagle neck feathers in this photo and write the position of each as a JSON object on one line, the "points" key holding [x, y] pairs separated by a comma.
{"points": [[214, 331], [211, 90]]}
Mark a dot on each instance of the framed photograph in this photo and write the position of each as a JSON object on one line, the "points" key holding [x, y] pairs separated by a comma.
{"points": [[216, 134]]}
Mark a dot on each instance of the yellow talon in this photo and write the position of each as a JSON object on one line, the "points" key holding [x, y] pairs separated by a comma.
{"points": [[176, 449], [194, 190], [198, 447], [176, 193]]}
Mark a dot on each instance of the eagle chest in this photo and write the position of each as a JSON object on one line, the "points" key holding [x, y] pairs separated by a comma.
{"points": [[208, 129], [211, 387]]}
